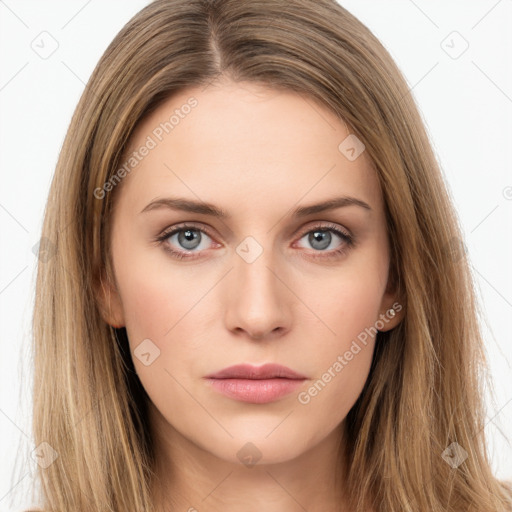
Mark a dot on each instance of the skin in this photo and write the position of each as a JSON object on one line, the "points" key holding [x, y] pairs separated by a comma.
{"points": [[257, 153]]}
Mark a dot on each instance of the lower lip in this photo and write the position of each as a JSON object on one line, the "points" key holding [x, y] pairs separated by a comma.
{"points": [[254, 390]]}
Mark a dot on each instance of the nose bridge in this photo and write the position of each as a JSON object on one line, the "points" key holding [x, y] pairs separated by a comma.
{"points": [[257, 298]]}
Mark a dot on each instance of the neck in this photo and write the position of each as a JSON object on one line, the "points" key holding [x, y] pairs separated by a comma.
{"points": [[190, 478]]}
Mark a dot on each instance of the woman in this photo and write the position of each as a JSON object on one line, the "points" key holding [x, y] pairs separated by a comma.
{"points": [[257, 297]]}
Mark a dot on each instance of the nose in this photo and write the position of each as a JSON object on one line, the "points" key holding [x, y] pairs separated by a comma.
{"points": [[257, 299]]}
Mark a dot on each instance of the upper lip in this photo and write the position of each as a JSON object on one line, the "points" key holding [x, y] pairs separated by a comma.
{"points": [[247, 371]]}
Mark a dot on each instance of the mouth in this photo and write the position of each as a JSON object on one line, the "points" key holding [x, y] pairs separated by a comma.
{"points": [[263, 384]]}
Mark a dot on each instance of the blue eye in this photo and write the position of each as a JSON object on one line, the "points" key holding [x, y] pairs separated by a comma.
{"points": [[189, 238], [320, 238]]}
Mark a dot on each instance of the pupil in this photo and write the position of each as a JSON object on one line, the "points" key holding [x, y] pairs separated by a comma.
{"points": [[188, 238], [321, 237]]}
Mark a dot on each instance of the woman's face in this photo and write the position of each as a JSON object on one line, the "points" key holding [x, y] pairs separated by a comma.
{"points": [[271, 280]]}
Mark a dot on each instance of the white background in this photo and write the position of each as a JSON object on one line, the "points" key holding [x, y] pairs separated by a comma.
{"points": [[466, 103]]}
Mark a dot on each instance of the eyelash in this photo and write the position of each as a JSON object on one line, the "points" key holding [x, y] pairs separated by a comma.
{"points": [[348, 240]]}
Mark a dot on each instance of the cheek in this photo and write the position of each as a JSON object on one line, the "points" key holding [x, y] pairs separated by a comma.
{"points": [[349, 310], [155, 303], [151, 306], [169, 313], [155, 293], [342, 359], [348, 303], [161, 318]]}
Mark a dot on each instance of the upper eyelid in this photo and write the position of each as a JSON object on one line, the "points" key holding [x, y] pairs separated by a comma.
{"points": [[323, 225], [171, 230]]}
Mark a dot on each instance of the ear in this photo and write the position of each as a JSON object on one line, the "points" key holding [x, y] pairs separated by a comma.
{"points": [[391, 310], [109, 301]]}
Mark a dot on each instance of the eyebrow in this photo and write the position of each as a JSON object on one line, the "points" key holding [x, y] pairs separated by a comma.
{"points": [[201, 207]]}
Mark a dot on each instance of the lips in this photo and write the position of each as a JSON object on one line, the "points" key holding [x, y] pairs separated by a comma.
{"points": [[247, 371], [258, 385]]}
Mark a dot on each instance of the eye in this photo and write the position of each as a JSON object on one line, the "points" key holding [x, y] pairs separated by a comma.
{"points": [[184, 240], [321, 238]]}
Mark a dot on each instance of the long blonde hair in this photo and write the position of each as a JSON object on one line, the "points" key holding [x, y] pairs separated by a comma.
{"points": [[425, 387]]}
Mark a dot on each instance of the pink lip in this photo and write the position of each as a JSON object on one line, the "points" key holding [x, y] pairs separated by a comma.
{"points": [[248, 371], [255, 384]]}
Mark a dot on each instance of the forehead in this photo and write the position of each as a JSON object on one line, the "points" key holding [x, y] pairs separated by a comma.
{"points": [[238, 142]]}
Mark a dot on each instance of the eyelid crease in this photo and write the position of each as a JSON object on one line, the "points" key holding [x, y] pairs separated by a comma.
{"points": [[197, 225], [346, 236]]}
